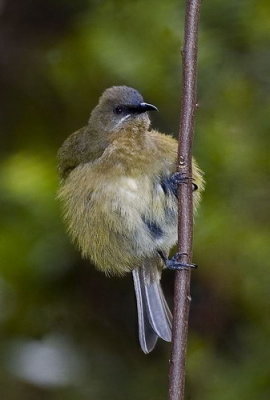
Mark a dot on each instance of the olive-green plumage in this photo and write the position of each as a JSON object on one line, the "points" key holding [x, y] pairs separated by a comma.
{"points": [[113, 174]]}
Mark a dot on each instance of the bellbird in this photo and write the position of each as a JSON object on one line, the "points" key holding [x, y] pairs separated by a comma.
{"points": [[119, 193]]}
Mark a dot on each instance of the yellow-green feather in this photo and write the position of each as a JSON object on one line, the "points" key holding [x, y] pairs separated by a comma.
{"points": [[107, 187]]}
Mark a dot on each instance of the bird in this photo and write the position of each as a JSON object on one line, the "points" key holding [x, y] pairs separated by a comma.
{"points": [[118, 189]]}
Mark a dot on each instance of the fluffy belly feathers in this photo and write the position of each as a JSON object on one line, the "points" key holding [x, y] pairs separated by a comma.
{"points": [[132, 216]]}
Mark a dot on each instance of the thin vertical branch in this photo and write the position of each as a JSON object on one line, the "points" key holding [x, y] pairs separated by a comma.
{"points": [[185, 222]]}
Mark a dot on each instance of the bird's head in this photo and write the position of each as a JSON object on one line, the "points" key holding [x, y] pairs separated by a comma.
{"points": [[120, 108]]}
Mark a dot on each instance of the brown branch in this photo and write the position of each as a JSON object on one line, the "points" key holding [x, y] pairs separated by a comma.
{"points": [[185, 223]]}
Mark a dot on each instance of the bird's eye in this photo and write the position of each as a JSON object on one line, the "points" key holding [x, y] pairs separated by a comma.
{"points": [[118, 110]]}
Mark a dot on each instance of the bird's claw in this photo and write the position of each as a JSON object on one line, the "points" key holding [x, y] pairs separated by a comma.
{"points": [[179, 178], [174, 263]]}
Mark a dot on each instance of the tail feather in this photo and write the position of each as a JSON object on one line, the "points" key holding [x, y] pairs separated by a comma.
{"points": [[154, 315], [147, 335]]}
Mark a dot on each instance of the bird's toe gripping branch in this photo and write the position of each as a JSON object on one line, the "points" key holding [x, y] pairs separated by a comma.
{"points": [[179, 178], [174, 263]]}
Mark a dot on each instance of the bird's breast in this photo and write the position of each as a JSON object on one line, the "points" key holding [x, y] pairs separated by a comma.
{"points": [[129, 188]]}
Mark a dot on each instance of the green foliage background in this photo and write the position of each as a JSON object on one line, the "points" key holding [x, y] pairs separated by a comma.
{"points": [[67, 332]]}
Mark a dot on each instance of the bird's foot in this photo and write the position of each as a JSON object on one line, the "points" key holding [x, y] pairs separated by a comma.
{"points": [[174, 263], [179, 178]]}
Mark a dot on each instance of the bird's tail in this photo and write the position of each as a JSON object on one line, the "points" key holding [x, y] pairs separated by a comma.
{"points": [[154, 315]]}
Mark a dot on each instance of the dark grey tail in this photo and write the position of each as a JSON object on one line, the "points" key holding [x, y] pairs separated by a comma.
{"points": [[154, 315]]}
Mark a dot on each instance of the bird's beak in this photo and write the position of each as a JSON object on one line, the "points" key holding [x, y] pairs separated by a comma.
{"points": [[143, 107]]}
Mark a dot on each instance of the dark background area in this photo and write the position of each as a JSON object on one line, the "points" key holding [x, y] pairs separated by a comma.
{"points": [[68, 332]]}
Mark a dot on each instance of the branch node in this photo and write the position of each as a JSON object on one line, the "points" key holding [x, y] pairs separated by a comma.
{"points": [[182, 161]]}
